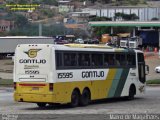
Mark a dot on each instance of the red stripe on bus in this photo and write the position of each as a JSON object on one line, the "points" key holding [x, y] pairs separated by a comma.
{"points": [[32, 84]]}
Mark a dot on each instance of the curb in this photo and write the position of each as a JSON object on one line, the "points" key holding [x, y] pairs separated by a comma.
{"points": [[153, 85], [7, 88]]}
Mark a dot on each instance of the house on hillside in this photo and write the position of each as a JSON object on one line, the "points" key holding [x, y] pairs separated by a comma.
{"points": [[80, 17], [2, 1], [6, 25], [2, 13], [65, 6]]}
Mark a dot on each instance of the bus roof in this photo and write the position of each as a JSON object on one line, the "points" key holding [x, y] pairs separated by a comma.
{"points": [[91, 47], [88, 46]]}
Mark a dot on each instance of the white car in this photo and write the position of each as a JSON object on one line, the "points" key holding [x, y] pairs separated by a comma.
{"points": [[79, 40], [157, 69]]}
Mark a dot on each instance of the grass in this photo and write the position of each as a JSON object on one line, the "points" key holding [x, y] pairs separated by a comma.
{"points": [[157, 81], [6, 82], [9, 63]]}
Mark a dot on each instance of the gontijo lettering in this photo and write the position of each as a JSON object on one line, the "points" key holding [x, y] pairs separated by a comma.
{"points": [[41, 61], [92, 74]]}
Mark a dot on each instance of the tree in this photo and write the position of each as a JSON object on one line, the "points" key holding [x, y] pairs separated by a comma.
{"points": [[98, 31], [47, 12], [123, 16], [133, 16], [93, 1], [118, 16], [22, 1], [154, 19], [134, 2], [100, 19], [50, 2], [20, 21]]}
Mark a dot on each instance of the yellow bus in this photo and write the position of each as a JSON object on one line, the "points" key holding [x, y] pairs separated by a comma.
{"points": [[76, 73]]}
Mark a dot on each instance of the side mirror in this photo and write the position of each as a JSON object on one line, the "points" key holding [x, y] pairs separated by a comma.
{"points": [[146, 69]]}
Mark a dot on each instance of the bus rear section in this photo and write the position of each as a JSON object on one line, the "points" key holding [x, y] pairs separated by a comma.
{"points": [[33, 79]]}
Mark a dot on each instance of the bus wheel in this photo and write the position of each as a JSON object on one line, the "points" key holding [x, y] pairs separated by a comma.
{"points": [[132, 92], [41, 105], [85, 97], [74, 98]]}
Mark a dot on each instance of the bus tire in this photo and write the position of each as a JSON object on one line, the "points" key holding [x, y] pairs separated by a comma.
{"points": [[74, 98], [85, 97], [132, 92], [41, 105]]}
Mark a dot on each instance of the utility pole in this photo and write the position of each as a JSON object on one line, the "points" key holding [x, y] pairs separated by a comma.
{"points": [[159, 41], [40, 29]]}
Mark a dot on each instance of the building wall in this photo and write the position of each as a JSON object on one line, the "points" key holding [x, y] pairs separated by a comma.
{"points": [[144, 13]]}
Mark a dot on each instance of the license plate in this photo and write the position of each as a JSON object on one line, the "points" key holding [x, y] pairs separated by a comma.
{"points": [[35, 88]]}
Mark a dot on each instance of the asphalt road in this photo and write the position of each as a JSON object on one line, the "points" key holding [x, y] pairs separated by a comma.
{"points": [[146, 104]]}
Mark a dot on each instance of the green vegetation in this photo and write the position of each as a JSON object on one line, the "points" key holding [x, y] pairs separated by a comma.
{"points": [[130, 2], [24, 28], [2, 7], [98, 31], [124, 16], [6, 82], [48, 2], [153, 81], [155, 19], [47, 12], [20, 21], [32, 30], [100, 19], [9, 82]]}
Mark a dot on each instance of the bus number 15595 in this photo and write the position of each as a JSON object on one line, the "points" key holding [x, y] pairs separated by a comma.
{"points": [[65, 75]]}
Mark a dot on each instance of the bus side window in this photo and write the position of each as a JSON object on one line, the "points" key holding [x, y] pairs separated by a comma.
{"points": [[123, 59], [106, 60], [131, 60], [140, 57], [59, 60], [70, 59], [117, 62], [73, 60], [97, 60], [83, 59], [117, 59], [111, 59], [66, 59]]}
